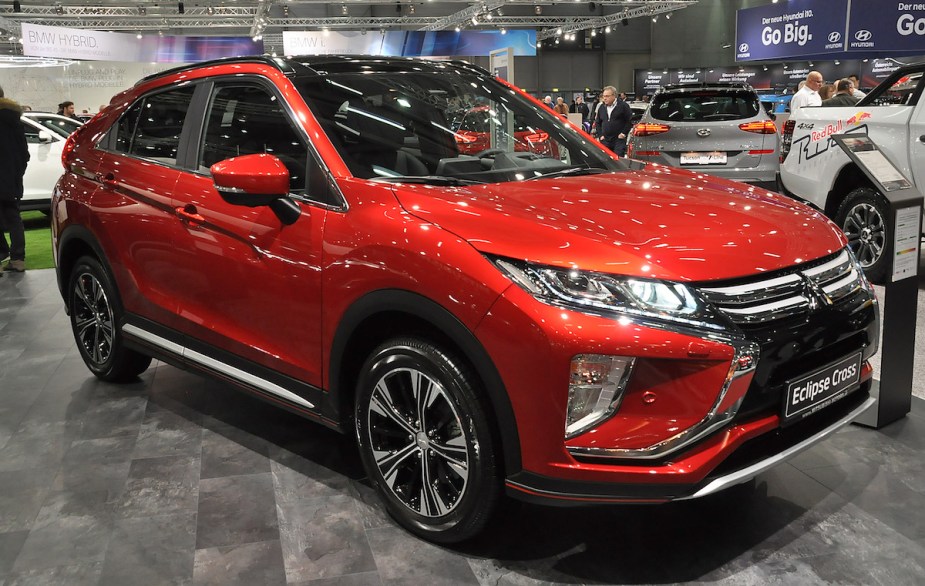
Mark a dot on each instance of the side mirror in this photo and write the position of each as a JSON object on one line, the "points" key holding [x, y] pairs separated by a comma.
{"points": [[44, 136], [256, 180]]}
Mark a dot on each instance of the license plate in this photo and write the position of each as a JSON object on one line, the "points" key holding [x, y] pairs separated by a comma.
{"points": [[820, 389], [712, 158]]}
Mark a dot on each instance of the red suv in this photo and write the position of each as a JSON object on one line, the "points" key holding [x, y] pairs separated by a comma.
{"points": [[568, 328]]}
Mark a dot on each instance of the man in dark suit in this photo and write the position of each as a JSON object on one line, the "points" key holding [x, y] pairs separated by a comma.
{"points": [[14, 155], [613, 121]]}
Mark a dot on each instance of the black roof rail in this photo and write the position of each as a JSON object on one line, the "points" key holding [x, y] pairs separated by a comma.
{"points": [[706, 84], [287, 66]]}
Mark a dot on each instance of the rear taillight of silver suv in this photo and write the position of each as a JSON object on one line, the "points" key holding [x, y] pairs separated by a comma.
{"points": [[786, 138]]}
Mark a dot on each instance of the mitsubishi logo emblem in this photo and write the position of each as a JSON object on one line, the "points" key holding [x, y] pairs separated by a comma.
{"points": [[703, 132], [814, 294]]}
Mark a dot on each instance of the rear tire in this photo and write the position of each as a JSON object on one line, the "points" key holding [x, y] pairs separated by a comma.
{"points": [[96, 317], [864, 218], [425, 440]]}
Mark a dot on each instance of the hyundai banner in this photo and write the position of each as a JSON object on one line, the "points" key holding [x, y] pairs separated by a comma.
{"points": [[887, 26], [794, 29]]}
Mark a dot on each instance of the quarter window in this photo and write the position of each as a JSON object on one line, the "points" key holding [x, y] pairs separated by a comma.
{"points": [[247, 119], [151, 128]]}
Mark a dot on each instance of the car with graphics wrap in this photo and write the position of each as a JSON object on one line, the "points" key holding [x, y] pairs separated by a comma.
{"points": [[816, 170]]}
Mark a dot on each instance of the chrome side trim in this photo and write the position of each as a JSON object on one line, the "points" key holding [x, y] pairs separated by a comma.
{"points": [[153, 339], [757, 468], [216, 365]]}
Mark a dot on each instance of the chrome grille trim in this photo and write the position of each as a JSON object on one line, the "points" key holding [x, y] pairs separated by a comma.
{"points": [[802, 290]]}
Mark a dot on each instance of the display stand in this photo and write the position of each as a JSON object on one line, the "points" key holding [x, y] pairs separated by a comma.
{"points": [[900, 303]]}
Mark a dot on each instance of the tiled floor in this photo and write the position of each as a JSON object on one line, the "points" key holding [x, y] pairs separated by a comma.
{"points": [[179, 480]]}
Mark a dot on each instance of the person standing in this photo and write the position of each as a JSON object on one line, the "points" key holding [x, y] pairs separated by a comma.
{"points": [[561, 107], [855, 87], [547, 101], [842, 95], [808, 95], [14, 156], [582, 108], [613, 121], [67, 109]]}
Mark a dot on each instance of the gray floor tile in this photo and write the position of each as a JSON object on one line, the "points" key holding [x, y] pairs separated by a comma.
{"points": [[323, 538], [10, 545], [228, 451], [403, 559], [79, 574], [236, 509], [245, 564], [151, 551], [22, 493], [158, 486]]}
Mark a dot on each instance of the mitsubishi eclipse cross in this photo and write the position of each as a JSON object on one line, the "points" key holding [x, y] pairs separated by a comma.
{"points": [[557, 325]]}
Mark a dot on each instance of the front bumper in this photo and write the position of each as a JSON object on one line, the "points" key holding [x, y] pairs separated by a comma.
{"points": [[758, 447]]}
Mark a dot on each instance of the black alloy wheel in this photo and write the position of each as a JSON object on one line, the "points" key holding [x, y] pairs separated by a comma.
{"points": [[95, 313], [863, 218], [425, 440]]}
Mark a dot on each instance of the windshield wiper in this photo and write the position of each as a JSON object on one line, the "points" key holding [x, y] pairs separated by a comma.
{"points": [[428, 180], [572, 171]]}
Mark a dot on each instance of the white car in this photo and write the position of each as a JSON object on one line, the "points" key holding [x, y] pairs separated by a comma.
{"points": [[45, 134]]}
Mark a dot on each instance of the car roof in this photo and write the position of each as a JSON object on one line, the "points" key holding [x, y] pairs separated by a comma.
{"points": [[324, 64], [704, 85]]}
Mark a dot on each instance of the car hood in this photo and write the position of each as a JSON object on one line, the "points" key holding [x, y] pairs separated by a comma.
{"points": [[659, 223]]}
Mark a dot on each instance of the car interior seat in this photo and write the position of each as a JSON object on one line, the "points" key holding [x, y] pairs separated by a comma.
{"points": [[375, 137]]}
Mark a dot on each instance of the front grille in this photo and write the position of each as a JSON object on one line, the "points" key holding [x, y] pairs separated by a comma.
{"points": [[802, 289]]}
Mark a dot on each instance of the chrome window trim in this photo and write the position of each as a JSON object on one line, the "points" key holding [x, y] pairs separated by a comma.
{"points": [[216, 365]]}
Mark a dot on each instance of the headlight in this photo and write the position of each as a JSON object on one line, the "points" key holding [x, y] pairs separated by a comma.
{"points": [[599, 292]]}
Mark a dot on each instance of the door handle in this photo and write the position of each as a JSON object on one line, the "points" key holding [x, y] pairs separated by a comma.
{"points": [[189, 214], [108, 179], [922, 138]]}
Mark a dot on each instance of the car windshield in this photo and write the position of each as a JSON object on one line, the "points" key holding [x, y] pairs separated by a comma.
{"points": [[434, 125], [700, 106], [60, 126]]}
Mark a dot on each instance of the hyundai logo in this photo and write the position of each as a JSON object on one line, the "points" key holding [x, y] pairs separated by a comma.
{"points": [[743, 48], [834, 37], [863, 35]]}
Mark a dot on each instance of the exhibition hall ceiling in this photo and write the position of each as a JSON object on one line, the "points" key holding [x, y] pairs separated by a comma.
{"points": [[269, 18]]}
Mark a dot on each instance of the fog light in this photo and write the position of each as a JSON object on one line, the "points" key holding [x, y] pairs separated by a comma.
{"points": [[596, 386]]}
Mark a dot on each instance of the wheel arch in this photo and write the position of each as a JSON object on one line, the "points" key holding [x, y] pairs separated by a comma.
{"points": [[849, 178], [75, 242], [383, 314]]}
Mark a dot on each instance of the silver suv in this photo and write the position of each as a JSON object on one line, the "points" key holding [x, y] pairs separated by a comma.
{"points": [[717, 128]]}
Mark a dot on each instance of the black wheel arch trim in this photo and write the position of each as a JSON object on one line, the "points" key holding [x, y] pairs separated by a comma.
{"points": [[391, 300], [69, 235]]}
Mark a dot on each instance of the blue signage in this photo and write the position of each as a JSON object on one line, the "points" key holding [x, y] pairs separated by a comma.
{"points": [[797, 28], [886, 26]]}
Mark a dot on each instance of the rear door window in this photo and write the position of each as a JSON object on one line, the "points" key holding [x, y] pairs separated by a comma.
{"points": [[701, 106], [151, 128]]}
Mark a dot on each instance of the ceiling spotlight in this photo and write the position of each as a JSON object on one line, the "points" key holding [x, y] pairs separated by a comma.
{"points": [[475, 19], [655, 18], [537, 10], [210, 10], [411, 9], [500, 13], [457, 29], [17, 6], [141, 10], [668, 16], [343, 9], [837, 62], [139, 36], [607, 29], [59, 9], [488, 16], [559, 31], [593, 32], [180, 8], [625, 21], [503, 31]]}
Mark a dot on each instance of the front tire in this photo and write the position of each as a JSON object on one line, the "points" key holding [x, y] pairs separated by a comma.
{"points": [[425, 440], [864, 218], [96, 316]]}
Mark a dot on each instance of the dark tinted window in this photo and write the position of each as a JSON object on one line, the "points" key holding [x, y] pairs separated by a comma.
{"points": [[32, 133], [157, 121], [247, 119], [705, 105], [60, 126]]}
